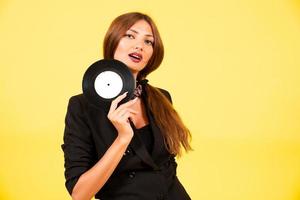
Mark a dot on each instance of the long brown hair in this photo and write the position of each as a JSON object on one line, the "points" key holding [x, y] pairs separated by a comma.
{"points": [[174, 131]]}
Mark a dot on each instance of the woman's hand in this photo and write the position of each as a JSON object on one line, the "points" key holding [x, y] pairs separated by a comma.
{"points": [[119, 116]]}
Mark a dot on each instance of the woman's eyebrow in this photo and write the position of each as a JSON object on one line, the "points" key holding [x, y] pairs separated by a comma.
{"points": [[138, 32]]}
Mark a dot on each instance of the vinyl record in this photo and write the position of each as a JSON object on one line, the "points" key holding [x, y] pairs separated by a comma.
{"points": [[105, 80]]}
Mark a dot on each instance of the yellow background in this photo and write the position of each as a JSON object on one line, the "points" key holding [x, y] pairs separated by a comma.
{"points": [[231, 66]]}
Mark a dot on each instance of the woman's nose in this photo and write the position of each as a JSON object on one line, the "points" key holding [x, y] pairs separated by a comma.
{"points": [[138, 46]]}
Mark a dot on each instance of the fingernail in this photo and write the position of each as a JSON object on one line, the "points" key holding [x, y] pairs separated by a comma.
{"points": [[125, 93]]}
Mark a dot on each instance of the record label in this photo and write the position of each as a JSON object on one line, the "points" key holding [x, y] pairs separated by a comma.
{"points": [[108, 84]]}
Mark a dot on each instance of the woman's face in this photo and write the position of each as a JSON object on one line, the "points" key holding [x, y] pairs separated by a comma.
{"points": [[136, 47]]}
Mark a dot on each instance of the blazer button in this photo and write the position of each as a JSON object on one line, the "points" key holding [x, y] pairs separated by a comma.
{"points": [[160, 197], [131, 174]]}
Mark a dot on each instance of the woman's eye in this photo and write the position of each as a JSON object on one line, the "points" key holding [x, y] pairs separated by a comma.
{"points": [[129, 36], [149, 42]]}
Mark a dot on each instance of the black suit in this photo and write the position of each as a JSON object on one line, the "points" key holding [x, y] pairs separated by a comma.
{"points": [[139, 175]]}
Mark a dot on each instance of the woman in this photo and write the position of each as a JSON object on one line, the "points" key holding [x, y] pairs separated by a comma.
{"points": [[126, 152]]}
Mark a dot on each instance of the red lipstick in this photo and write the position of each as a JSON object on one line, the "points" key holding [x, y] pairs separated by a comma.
{"points": [[136, 57]]}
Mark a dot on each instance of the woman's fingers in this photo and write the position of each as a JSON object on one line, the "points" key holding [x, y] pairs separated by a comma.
{"points": [[125, 110], [116, 114], [121, 120], [126, 117], [119, 116], [128, 104], [114, 103]]}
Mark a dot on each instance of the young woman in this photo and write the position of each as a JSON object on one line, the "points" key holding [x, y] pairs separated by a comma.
{"points": [[127, 152]]}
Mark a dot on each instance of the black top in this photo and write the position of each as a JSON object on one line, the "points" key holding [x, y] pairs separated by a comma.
{"points": [[145, 133]]}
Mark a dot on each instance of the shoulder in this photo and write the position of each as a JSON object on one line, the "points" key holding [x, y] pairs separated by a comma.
{"points": [[77, 103], [77, 98], [166, 93]]}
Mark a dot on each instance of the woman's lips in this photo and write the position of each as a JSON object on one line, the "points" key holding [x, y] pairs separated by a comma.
{"points": [[135, 57]]}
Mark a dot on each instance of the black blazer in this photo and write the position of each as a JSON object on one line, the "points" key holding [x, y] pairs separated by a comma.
{"points": [[139, 175]]}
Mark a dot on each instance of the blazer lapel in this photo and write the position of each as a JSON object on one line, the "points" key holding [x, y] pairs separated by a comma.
{"points": [[158, 153], [140, 149]]}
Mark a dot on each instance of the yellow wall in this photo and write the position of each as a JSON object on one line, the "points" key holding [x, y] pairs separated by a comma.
{"points": [[231, 66]]}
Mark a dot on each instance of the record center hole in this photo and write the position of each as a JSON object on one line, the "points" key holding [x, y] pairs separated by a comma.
{"points": [[108, 84]]}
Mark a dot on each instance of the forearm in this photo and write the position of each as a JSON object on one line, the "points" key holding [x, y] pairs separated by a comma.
{"points": [[93, 180]]}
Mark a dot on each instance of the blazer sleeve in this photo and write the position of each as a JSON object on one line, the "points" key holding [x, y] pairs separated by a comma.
{"points": [[78, 146]]}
